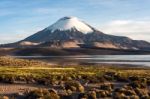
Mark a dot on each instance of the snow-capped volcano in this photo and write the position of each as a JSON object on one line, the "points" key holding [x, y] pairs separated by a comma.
{"points": [[64, 29], [71, 29], [70, 23]]}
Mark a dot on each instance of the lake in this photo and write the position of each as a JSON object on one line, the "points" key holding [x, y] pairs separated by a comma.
{"points": [[139, 60]]}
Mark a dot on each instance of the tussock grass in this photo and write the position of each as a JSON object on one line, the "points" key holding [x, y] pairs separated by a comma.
{"points": [[10, 61], [73, 79]]}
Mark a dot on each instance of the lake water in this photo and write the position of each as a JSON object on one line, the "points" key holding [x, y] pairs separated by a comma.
{"points": [[140, 60]]}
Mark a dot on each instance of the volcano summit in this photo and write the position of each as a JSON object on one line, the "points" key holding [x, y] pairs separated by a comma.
{"points": [[66, 28], [70, 23]]}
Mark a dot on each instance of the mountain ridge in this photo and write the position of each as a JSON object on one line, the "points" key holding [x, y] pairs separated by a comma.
{"points": [[84, 35]]}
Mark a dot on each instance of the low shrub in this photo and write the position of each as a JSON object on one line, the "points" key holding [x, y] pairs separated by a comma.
{"points": [[42, 94], [101, 94], [74, 85], [92, 95]]}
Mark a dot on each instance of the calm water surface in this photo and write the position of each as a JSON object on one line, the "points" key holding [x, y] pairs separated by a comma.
{"points": [[143, 60]]}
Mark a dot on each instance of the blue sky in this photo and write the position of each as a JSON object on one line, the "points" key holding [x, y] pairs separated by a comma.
{"points": [[21, 18]]}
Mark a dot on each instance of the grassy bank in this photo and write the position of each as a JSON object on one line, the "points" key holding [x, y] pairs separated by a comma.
{"points": [[72, 70]]}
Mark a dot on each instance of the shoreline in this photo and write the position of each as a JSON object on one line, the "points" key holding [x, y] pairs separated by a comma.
{"points": [[89, 60]]}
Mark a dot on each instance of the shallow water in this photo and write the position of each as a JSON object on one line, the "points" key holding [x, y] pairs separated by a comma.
{"points": [[143, 60]]}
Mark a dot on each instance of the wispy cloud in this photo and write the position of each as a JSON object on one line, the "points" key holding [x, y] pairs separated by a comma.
{"points": [[16, 35], [132, 28]]}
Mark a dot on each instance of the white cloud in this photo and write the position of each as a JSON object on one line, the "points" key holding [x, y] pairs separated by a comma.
{"points": [[130, 28], [5, 38], [16, 35]]}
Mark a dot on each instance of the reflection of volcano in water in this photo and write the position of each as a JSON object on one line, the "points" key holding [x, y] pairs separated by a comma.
{"points": [[139, 60]]}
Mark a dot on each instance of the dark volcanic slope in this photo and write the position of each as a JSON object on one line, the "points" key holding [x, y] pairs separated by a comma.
{"points": [[56, 33], [120, 41], [75, 51], [47, 35]]}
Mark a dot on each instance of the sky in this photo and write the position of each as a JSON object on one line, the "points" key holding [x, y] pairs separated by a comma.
{"points": [[22, 18]]}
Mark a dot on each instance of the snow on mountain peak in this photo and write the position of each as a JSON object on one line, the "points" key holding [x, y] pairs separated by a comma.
{"points": [[69, 23]]}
